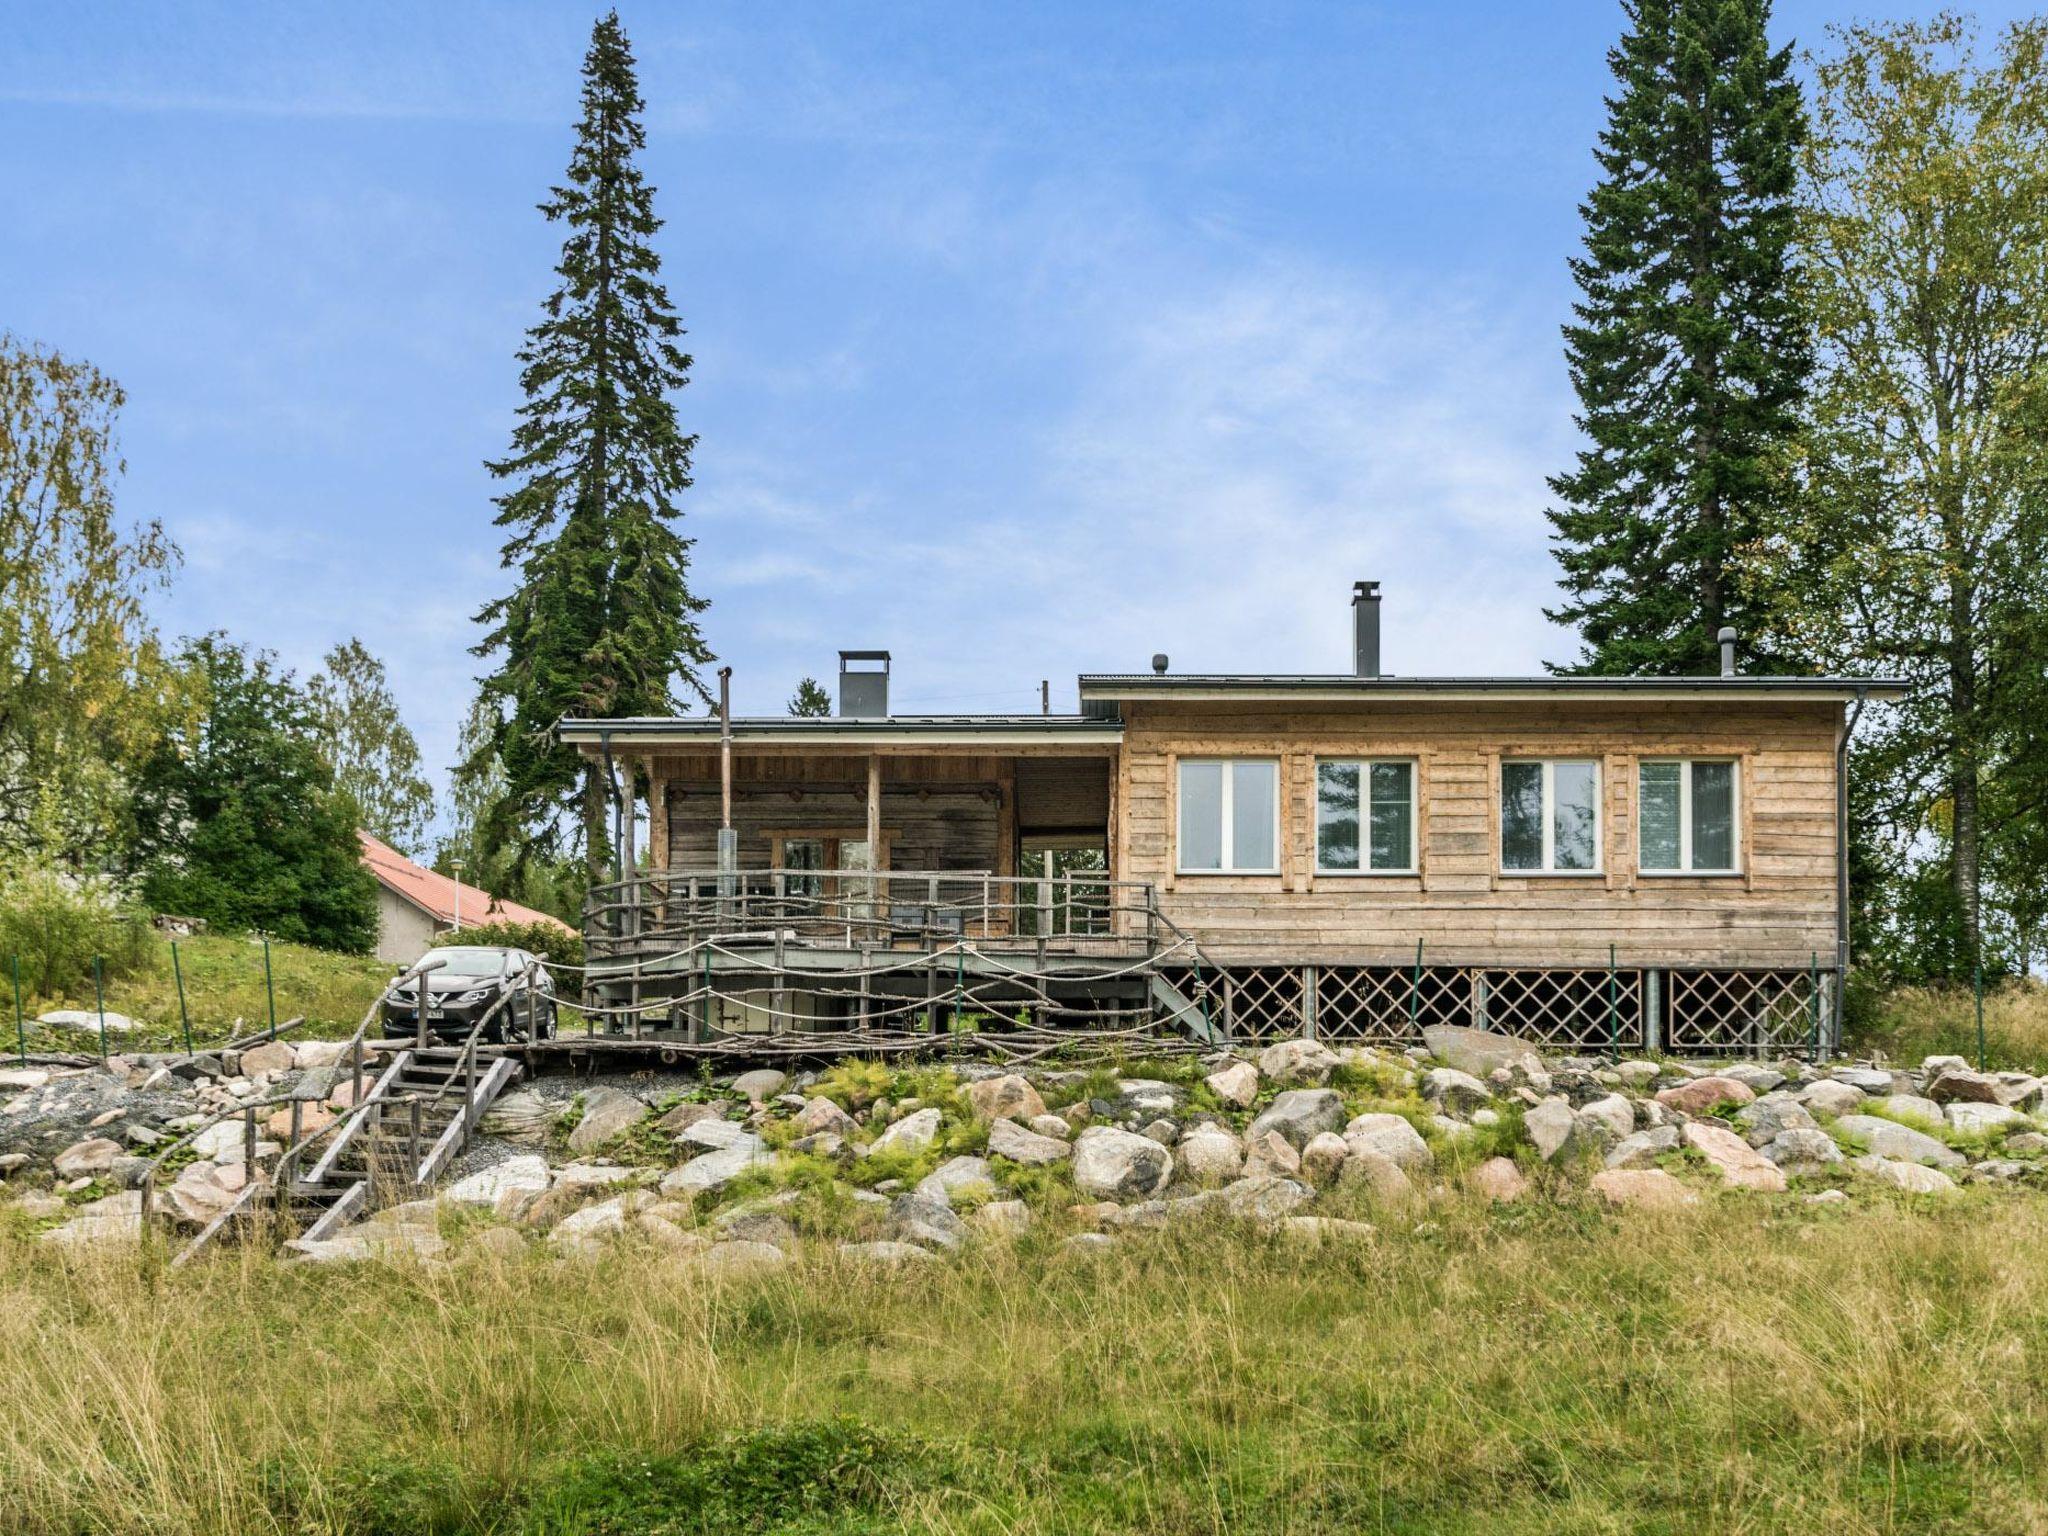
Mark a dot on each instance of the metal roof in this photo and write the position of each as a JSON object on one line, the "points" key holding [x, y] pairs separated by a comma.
{"points": [[1346, 686], [924, 730]]}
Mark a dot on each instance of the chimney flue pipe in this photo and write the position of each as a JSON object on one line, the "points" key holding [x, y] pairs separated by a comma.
{"points": [[1365, 628]]}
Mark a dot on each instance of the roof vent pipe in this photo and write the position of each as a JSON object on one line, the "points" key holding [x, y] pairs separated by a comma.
{"points": [[1365, 628], [1159, 662], [1727, 639]]}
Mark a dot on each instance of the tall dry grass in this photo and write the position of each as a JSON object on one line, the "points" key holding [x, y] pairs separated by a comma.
{"points": [[1735, 1368], [1907, 1024]]}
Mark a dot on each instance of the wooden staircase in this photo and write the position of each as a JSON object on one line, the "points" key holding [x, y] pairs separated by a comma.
{"points": [[414, 1118]]}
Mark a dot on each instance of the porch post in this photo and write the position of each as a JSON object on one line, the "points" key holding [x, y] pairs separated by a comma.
{"points": [[874, 831]]}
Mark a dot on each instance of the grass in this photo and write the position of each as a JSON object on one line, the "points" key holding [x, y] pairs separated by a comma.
{"points": [[1742, 1366], [1907, 1024], [224, 992]]}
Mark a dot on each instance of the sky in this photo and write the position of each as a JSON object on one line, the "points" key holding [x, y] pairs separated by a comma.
{"points": [[1029, 340]]}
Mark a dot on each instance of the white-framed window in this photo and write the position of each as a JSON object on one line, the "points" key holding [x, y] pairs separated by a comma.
{"points": [[1365, 817], [1687, 820], [1550, 816], [1229, 816]]}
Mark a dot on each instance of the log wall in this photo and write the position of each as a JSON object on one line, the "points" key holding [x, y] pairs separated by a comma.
{"points": [[1778, 912]]}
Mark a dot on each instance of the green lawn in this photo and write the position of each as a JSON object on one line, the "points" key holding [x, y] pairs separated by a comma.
{"points": [[224, 992], [1747, 1366]]}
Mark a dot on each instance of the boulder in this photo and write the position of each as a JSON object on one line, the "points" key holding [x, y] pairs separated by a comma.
{"points": [[1051, 1125], [1270, 1154], [1110, 1164], [1300, 1113], [198, 1195], [311, 1055], [715, 1170], [1916, 1111], [1972, 1116], [1497, 1179], [1959, 1085], [1323, 1158], [1146, 1096], [1006, 1138], [1477, 1051], [1550, 1125], [87, 1021], [528, 1171], [1888, 1139], [689, 1113], [368, 1241], [1739, 1164], [1208, 1155], [1766, 1119], [711, 1133], [1377, 1174], [926, 1219], [1236, 1085], [606, 1113], [1294, 1061], [1831, 1097], [1008, 1097], [966, 1176], [758, 1221], [87, 1159], [1643, 1148], [822, 1116], [607, 1218], [1754, 1076], [1263, 1199], [1391, 1136], [270, 1056], [1869, 1079], [1605, 1121], [1802, 1151], [313, 1117], [913, 1133], [1650, 1188], [759, 1085], [1457, 1092], [1913, 1178], [1703, 1094]]}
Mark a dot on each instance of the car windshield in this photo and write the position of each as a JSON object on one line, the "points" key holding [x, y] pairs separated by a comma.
{"points": [[472, 962]]}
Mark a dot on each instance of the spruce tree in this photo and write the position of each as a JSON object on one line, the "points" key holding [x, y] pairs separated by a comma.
{"points": [[1689, 353], [601, 620], [810, 698]]}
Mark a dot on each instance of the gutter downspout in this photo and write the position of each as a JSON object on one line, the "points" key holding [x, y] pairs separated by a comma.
{"points": [[728, 839]]}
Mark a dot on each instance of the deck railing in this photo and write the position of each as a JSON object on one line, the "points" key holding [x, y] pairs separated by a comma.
{"points": [[851, 909]]}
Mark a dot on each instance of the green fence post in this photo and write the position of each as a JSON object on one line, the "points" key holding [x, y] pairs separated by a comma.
{"points": [[1977, 985], [99, 998], [20, 1028], [270, 994], [184, 1018]]}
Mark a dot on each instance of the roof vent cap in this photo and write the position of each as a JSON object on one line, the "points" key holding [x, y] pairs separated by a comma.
{"points": [[1159, 662]]}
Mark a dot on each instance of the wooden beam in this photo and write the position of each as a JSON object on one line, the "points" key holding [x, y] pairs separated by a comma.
{"points": [[874, 810]]}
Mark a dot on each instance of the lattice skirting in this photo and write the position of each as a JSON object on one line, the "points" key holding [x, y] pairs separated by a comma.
{"points": [[1586, 1011]]}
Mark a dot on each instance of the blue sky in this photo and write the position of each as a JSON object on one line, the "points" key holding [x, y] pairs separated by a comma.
{"points": [[1029, 340]]}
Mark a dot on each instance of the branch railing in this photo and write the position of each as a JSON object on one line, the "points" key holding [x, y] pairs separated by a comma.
{"points": [[851, 909]]}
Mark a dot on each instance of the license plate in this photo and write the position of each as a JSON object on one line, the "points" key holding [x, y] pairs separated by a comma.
{"points": [[435, 1013]]}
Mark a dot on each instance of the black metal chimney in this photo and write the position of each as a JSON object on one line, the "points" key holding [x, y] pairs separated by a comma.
{"points": [[1365, 628], [864, 685]]}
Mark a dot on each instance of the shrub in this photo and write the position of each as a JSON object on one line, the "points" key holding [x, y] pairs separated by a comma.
{"points": [[557, 946], [57, 924]]}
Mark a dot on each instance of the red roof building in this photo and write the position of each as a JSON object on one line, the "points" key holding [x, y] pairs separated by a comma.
{"points": [[414, 904]]}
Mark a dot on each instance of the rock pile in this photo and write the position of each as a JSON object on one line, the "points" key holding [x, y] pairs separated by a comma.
{"points": [[1299, 1137]]}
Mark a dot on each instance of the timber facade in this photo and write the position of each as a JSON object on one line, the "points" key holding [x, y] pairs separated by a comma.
{"points": [[1600, 863]]}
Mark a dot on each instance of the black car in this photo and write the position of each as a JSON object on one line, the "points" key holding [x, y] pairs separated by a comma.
{"points": [[462, 988]]}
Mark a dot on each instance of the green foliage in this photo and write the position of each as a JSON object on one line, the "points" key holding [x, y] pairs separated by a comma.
{"points": [[810, 699], [552, 944], [237, 815], [374, 757], [854, 1084], [600, 620], [84, 687], [1918, 548], [1688, 353], [55, 925]]}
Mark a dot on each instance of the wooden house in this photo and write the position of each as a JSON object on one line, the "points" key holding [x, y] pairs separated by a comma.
{"points": [[1643, 863]]}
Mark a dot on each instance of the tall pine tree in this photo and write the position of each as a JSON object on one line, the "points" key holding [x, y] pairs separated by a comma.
{"points": [[1690, 354], [601, 620]]}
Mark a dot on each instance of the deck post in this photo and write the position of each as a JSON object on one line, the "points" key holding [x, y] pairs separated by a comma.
{"points": [[1311, 1002], [1476, 983], [874, 830], [1653, 1011]]}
